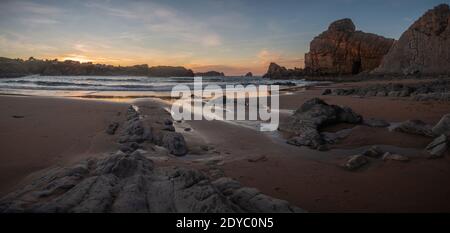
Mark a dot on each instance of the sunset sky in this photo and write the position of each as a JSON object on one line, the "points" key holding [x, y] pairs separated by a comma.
{"points": [[227, 35]]}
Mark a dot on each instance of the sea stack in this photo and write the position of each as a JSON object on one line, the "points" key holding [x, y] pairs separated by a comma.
{"points": [[424, 48], [343, 50]]}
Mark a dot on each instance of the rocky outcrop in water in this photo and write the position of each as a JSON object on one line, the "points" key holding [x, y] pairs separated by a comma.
{"points": [[304, 124], [342, 50], [424, 48], [280, 72], [210, 74], [19, 67], [249, 74]]}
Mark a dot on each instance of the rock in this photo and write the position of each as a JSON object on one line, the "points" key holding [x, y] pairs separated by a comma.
{"points": [[343, 50], [443, 126], [210, 74], [422, 49], [129, 147], [326, 92], [111, 130], [437, 147], [255, 159], [249, 74], [280, 72], [174, 142], [355, 162], [414, 127], [188, 129], [130, 184], [19, 67], [312, 115], [396, 157], [372, 122], [374, 152]]}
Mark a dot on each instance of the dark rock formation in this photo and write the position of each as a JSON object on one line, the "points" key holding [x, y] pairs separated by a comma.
{"points": [[395, 157], [280, 72], [443, 126], [343, 50], [138, 129], [19, 67], [249, 74], [304, 124], [131, 183], [209, 74], [414, 127], [169, 71], [437, 147], [421, 91], [424, 48], [355, 162]]}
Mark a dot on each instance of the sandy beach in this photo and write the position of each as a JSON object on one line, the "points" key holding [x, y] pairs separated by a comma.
{"points": [[39, 133]]}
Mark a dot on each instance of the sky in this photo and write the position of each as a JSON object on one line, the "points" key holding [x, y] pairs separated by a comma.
{"points": [[231, 36]]}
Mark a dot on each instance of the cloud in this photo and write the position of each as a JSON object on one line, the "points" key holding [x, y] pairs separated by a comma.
{"points": [[163, 21], [32, 13]]}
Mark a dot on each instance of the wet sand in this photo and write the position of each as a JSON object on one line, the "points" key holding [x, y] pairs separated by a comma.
{"points": [[39, 132]]}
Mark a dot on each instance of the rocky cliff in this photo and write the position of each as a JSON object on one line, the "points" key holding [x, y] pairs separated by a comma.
{"points": [[209, 74], [19, 67], [280, 72], [424, 48], [344, 50]]}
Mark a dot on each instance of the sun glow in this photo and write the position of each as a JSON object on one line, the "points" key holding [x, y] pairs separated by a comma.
{"points": [[79, 58]]}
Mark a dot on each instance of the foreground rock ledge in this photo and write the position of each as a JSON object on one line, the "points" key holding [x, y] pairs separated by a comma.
{"points": [[131, 183]]}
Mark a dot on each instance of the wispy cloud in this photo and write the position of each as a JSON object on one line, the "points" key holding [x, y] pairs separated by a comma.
{"points": [[163, 20]]}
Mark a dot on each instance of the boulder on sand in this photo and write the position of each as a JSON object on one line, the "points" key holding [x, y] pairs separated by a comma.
{"points": [[437, 147], [355, 162], [304, 124], [414, 127]]}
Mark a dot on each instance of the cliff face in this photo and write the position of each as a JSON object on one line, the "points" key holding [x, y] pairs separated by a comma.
{"points": [[343, 50], [18, 67], [280, 72], [424, 48]]}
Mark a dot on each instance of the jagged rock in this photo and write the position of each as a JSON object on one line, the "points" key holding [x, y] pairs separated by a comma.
{"points": [[437, 147], [443, 126], [174, 142], [343, 50], [280, 72], [374, 152], [414, 127], [249, 74], [395, 157], [326, 92], [312, 115], [111, 130], [355, 162], [131, 183], [424, 48], [372, 122], [332, 138]]}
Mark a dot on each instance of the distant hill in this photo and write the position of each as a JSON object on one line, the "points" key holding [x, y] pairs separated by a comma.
{"points": [[19, 67], [209, 74]]}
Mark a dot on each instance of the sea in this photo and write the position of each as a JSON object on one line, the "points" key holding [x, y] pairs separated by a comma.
{"points": [[121, 86]]}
